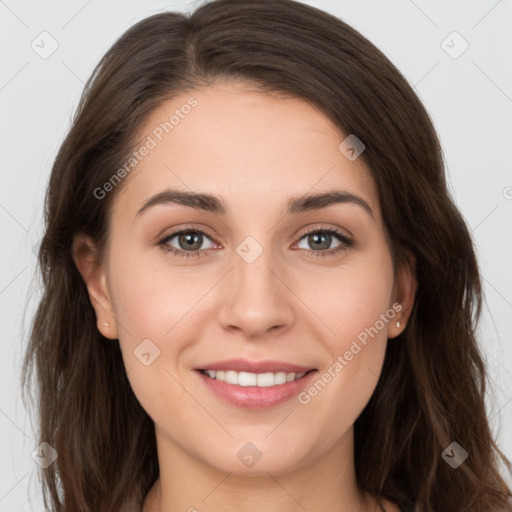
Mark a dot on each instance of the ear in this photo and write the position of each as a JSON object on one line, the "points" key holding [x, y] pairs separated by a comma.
{"points": [[91, 268], [404, 294]]}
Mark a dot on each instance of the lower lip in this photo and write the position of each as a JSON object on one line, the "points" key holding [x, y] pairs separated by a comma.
{"points": [[254, 397]]}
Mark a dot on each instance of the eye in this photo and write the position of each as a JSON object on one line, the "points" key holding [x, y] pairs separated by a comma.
{"points": [[189, 242], [321, 239]]}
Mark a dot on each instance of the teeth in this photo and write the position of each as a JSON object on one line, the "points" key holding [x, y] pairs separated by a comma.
{"points": [[261, 380], [246, 379]]}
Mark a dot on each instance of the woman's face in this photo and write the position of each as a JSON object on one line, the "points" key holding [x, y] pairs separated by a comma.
{"points": [[268, 285]]}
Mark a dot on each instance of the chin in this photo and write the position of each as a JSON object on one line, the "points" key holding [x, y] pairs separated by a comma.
{"points": [[248, 460]]}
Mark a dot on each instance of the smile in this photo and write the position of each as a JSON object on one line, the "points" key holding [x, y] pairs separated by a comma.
{"points": [[261, 380], [254, 391]]}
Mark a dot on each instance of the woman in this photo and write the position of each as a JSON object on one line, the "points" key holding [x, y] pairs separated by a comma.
{"points": [[195, 348]]}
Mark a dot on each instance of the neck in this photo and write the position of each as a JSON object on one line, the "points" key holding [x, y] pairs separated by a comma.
{"points": [[190, 484]]}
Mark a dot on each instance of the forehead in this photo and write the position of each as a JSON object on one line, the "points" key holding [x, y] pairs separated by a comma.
{"points": [[242, 144]]}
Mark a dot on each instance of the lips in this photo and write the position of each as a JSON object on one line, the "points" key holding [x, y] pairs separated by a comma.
{"points": [[270, 389]]}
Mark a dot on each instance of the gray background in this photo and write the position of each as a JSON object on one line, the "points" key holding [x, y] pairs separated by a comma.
{"points": [[468, 97]]}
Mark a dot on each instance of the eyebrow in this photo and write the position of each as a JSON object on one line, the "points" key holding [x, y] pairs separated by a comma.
{"points": [[215, 204]]}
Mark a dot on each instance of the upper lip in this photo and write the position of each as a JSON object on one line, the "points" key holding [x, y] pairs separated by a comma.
{"points": [[243, 365]]}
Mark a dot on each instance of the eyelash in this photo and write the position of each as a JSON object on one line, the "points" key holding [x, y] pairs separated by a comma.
{"points": [[346, 242]]}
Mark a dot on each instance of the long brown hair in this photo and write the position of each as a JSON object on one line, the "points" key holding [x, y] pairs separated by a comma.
{"points": [[431, 391]]}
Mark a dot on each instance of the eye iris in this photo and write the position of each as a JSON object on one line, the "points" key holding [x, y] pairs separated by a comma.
{"points": [[187, 240], [314, 239]]}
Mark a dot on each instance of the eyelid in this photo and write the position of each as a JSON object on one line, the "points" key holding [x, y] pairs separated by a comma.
{"points": [[321, 227], [180, 229]]}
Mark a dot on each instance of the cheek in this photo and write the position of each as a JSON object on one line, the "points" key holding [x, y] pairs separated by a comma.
{"points": [[150, 300], [355, 305], [351, 298], [158, 308]]}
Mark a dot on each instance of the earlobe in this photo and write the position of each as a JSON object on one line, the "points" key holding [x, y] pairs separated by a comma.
{"points": [[405, 292], [91, 268]]}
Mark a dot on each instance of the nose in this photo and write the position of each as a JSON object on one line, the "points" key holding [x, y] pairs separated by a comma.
{"points": [[256, 298]]}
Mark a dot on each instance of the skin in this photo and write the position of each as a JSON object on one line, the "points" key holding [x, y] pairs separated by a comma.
{"points": [[255, 151]]}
